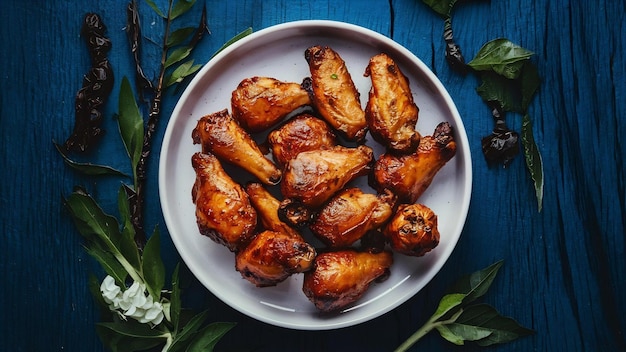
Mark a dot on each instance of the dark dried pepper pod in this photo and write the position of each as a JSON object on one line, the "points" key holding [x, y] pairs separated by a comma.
{"points": [[502, 145], [453, 55], [97, 85]]}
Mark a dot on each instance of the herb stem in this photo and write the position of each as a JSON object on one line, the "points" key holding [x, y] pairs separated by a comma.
{"points": [[431, 324]]}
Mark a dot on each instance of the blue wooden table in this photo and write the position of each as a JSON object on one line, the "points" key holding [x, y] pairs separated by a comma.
{"points": [[564, 272]]}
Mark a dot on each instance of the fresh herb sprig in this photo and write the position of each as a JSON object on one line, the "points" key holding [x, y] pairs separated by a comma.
{"points": [[458, 320], [140, 312], [509, 82]]}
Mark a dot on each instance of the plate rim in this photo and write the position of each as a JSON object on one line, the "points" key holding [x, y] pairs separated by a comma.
{"points": [[327, 25]]}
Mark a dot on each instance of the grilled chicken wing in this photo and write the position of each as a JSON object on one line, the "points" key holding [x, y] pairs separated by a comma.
{"points": [[390, 112], [340, 278], [271, 257], [351, 214], [302, 133], [261, 102], [220, 134], [314, 176], [413, 230], [333, 92], [223, 210], [267, 209], [408, 176]]}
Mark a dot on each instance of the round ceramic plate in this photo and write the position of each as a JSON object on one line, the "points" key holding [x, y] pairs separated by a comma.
{"points": [[278, 52]]}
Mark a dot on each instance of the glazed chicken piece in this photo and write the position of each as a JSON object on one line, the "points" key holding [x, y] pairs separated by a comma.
{"points": [[312, 177], [391, 113], [266, 206], [413, 230], [219, 134], [408, 176], [351, 214], [223, 210], [340, 278], [302, 133], [261, 102], [272, 257], [333, 92]]}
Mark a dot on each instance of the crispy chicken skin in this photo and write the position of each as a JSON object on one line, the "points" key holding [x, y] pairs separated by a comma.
{"points": [[314, 176], [351, 214], [266, 206], [302, 133], [219, 134], [390, 112], [413, 230], [333, 92], [408, 176], [340, 278], [272, 257], [223, 210], [259, 103]]}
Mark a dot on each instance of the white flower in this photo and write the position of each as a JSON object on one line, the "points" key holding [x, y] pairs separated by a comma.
{"points": [[134, 302]]}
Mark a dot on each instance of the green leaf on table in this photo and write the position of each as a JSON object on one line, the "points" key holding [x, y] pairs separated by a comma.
{"points": [[183, 338], [476, 284], [88, 168], [175, 300], [181, 7], [501, 56], [109, 263], [177, 55], [495, 87], [181, 72], [130, 124], [458, 334], [156, 9], [483, 317], [179, 36], [449, 303], [534, 162], [152, 265], [246, 32], [127, 244], [208, 337], [442, 7], [90, 220], [129, 336]]}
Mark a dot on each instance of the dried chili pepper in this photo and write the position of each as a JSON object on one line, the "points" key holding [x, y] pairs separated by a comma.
{"points": [[501, 146], [453, 55], [97, 85], [133, 31]]}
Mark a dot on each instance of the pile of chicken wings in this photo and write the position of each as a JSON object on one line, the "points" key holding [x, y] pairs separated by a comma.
{"points": [[315, 131]]}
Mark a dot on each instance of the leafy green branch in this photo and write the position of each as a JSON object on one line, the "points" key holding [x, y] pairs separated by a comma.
{"points": [[458, 321], [140, 312]]}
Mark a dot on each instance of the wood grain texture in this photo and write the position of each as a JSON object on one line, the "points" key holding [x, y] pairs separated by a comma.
{"points": [[564, 273]]}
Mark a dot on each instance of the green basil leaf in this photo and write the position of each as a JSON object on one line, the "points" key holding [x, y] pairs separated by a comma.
{"points": [[182, 71], [130, 124], [88, 168], [530, 82], [90, 219], [152, 265], [179, 36], [501, 56], [449, 335], [476, 284], [450, 302], [175, 301], [442, 7], [127, 244], [208, 337], [177, 55], [156, 9], [238, 36], [181, 7], [495, 87], [534, 162], [483, 317]]}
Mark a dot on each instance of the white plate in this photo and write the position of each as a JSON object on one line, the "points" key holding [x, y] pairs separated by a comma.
{"points": [[278, 52]]}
